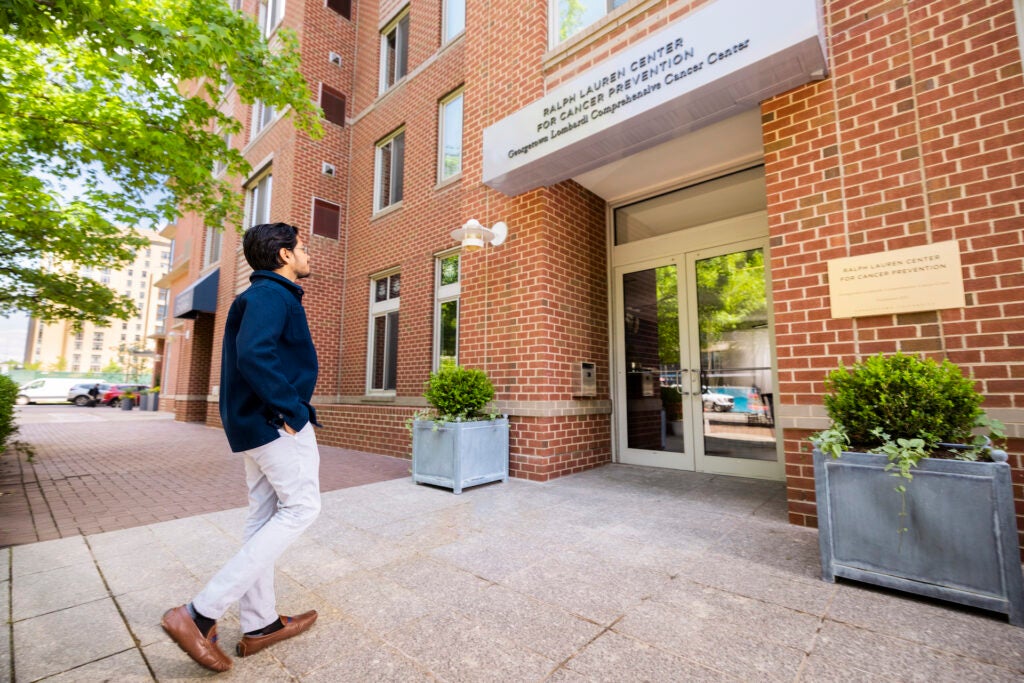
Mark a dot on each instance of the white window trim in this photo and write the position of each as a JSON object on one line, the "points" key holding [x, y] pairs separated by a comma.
{"points": [[444, 294], [553, 25], [444, 21], [377, 309], [392, 25], [1018, 11], [251, 188], [378, 172], [213, 236], [258, 109], [441, 177], [270, 23]]}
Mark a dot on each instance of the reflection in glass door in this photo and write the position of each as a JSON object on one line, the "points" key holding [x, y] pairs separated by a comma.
{"points": [[735, 355], [655, 427], [696, 363]]}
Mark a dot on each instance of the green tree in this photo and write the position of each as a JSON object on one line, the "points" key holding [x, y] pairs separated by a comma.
{"points": [[109, 121], [730, 294]]}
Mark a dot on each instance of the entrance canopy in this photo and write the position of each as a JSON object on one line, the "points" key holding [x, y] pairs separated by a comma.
{"points": [[199, 297], [716, 62]]}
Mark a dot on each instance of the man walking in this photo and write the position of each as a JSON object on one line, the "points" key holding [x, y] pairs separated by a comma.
{"points": [[268, 372]]}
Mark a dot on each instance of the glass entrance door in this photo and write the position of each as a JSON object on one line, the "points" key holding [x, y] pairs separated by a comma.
{"points": [[696, 371]]}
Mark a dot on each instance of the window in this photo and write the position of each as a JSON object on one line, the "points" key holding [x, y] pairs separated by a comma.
{"points": [[333, 104], [257, 211], [97, 341], [446, 312], [387, 188], [211, 253], [258, 201], [342, 7], [271, 12], [383, 352], [221, 164], [262, 116], [572, 16], [454, 19], [326, 219], [394, 51], [450, 137]]}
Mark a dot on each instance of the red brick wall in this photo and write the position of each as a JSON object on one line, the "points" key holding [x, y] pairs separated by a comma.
{"points": [[916, 137], [194, 369]]}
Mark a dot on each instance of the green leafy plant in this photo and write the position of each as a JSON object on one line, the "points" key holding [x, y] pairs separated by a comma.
{"points": [[905, 408], [904, 396], [459, 394], [8, 395]]}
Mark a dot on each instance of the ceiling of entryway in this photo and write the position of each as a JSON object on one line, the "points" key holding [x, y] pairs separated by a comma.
{"points": [[716, 148]]}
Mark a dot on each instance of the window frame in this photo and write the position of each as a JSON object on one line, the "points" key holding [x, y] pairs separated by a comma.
{"points": [[383, 309], [212, 247], [447, 35], [555, 24], [392, 74], [269, 15], [444, 294], [254, 192], [458, 94], [395, 180], [262, 117]]}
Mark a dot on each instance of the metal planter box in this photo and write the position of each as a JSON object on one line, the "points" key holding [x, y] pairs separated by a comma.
{"points": [[457, 455], [961, 538]]}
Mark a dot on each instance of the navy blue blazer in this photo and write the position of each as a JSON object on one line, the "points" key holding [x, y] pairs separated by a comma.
{"points": [[268, 364]]}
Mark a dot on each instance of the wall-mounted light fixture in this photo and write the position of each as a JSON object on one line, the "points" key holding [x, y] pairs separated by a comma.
{"points": [[474, 236]]}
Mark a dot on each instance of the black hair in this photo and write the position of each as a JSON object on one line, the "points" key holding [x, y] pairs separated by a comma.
{"points": [[262, 244]]}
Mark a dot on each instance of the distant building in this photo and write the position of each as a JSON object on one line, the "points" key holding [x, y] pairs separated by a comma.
{"points": [[122, 343]]}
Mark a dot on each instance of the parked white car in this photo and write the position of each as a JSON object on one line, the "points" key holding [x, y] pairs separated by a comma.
{"points": [[49, 389], [79, 394], [713, 400]]}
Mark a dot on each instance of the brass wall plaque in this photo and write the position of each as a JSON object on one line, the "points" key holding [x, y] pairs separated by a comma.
{"points": [[926, 278]]}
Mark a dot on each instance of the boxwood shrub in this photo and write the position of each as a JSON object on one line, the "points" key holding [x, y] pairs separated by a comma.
{"points": [[906, 396], [459, 393]]}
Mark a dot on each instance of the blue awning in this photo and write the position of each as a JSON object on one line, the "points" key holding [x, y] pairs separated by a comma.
{"points": [[198, 297]]}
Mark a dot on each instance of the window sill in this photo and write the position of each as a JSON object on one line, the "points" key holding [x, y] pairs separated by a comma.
{"points": [[595, 32], [386, 210], [451, 180]]}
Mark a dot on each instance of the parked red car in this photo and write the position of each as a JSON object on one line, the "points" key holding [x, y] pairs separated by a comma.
{"points": [[113, 396]]}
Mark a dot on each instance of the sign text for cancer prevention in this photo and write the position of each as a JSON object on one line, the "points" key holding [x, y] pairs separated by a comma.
{"points": [[609, 92], [925, 278], [715, 61]]}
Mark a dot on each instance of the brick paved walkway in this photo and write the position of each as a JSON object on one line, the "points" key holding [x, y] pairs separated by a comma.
{"points": [[103, 469]]}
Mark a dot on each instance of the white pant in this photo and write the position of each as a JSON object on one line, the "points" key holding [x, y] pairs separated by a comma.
{"points": [[284, 499]]}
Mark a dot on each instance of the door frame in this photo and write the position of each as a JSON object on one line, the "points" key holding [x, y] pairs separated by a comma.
{"points": [[683, 248]]}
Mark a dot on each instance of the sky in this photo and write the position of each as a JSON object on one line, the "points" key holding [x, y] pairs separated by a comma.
{"points": [[12, 337]]}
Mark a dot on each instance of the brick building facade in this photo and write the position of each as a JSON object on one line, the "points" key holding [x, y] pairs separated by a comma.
{"points": [[651, 160]]}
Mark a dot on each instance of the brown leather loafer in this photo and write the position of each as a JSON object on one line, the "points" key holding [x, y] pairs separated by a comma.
{"points": [[293, 626], [205, 651]]}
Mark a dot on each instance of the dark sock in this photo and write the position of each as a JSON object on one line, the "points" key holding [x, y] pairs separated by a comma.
{"points": [[204, 624], [275, 625]]}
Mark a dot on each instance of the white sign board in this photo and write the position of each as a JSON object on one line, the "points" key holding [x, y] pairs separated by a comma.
{"points": [[722, 59], [924, 278]]}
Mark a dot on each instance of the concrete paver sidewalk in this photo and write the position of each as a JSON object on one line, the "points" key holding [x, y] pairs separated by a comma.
{"points": [[617, 574], [102, 469]]}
